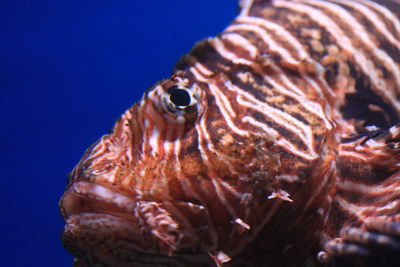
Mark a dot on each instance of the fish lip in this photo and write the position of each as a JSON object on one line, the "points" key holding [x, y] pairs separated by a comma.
{"points": [[141, 250], [95, 216], [87, 197], [85, 236], [94, 213]]}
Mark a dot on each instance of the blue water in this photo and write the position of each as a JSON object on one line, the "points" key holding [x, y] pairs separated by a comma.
{"points": [[68, 70]]}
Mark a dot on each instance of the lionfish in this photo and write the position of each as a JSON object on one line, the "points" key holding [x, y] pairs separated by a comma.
{"points": [[275, 143]]}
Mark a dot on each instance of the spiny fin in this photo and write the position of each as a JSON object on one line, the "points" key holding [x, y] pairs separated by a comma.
{"points": [[246, 6], [382, 141], [219, 258], [376, 154], [201, 52], [389, 138]]}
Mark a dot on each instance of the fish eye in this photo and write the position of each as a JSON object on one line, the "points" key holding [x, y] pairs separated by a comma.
{"points": [[179, 100], [179, 97]]}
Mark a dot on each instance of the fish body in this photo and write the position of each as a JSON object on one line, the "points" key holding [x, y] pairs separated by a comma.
{"points": [[275, 143]]}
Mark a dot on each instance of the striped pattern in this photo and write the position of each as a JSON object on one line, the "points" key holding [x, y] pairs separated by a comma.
{"points": [[285, 147]]}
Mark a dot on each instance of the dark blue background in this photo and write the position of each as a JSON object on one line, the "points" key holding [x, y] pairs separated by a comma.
{"points": [[68, 69]]}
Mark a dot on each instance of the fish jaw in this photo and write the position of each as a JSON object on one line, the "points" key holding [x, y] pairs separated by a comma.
{"points": [[110, 228]]}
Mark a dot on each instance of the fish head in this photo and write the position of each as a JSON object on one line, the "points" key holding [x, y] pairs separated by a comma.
{"points": [[165, 181]]}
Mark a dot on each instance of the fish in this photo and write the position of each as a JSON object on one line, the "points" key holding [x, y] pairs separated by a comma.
{"points": [[274, 143]]}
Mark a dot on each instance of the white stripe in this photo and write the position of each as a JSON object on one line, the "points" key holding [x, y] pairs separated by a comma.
{"points": [[273, 46], [315, 108], [203, 133], [280, 31], [360, 187], [232, 190], [362, 211], [391, 206], [287, 121], [221, 49], [197, 74], [366, 65], [311, 106], [292, 89], [352, 154], [279, 139], [241, 42], [349, 207], [285, 35], [246, 5], [203, 138], [265, 128], [362, 33], [210, 147], [222, 198], [223, 109], [221, 96], [384, 11], [288, 178], [145, 137], [373, 18], [177, 149], [203, 69], [167, 147], [282, 118], [153, 141]]}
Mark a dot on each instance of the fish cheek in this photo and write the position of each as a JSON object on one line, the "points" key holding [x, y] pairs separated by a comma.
{"points": [[192, 165], [251, 157]]}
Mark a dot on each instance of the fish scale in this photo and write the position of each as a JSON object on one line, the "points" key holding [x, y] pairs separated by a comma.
{"points": [[275, 143]]}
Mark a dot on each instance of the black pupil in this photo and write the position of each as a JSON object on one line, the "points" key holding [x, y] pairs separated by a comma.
{"points": [[180, 97]]}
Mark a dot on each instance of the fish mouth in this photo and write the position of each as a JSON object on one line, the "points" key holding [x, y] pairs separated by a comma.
{"points": [[102, 230], [86, 197]]}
